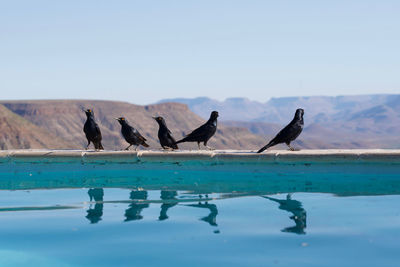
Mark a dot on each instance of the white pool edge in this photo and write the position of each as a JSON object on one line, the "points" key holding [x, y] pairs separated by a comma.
{"points": [[323, 155]]}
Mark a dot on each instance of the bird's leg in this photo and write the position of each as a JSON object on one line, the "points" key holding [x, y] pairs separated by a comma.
{"points": [[136, 148], [88, 144], [209, 148], [128, 147], [290, 147], [198, 143]]}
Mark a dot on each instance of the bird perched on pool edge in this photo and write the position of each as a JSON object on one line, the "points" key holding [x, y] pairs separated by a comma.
{"points": [[164, 134], [204, 132], [92, 131], [289, 133], [131, 135]]}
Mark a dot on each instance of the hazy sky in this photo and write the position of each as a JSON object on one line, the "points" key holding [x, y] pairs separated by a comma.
{"points": [[143, 51]]}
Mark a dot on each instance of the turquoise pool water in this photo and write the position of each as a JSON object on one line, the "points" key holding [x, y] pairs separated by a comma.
{"points": [[108, 214]]}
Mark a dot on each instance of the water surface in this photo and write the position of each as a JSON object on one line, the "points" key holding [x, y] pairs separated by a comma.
{"points": [[122, 216]]}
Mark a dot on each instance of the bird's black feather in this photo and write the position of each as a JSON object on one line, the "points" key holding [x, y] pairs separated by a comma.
{"points": [[131, 135], [92, 131], [164, 135], [204, 132], [289, 133]]}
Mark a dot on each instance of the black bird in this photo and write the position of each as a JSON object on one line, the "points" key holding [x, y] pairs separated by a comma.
{"points": [[289, 133], [204, 132], [299, 213], [169, 201], [131, 135], [94, 215], [133, 213], [164, 134], [212, 217], [92, 131]]}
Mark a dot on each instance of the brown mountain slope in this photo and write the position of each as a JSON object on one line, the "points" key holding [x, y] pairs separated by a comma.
{"points": [[17, 132], [65, 119]]}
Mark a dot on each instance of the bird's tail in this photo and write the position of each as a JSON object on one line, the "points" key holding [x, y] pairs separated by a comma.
{"points": [[265, 147], [144, 144], [180, 141], [272, 199]]}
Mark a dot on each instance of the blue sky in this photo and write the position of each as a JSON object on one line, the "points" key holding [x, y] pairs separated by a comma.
{"points": [[143, 51]]}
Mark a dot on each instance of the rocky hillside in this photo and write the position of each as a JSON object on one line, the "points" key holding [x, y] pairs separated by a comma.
{"points": [[17, 132], [59, 123]]}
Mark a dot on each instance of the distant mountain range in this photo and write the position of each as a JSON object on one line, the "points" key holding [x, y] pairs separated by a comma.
{"points": [[361, 121], [279, 110]]}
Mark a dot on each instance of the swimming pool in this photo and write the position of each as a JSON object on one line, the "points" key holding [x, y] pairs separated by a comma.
{"points": [[72, 208]]}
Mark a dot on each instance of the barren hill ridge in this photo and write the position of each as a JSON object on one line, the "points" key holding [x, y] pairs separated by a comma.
{"points": [[17, 132], [59, 123]]}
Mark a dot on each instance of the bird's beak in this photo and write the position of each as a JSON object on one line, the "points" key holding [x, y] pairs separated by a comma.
{"points": [[154, 118], [116, 119]]}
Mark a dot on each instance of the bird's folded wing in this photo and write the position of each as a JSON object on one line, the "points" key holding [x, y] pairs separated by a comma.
{"points": [[199, 132], [283, 133], [142, 138], [138, 135], [98, 130], [290, 132], [171, 138]]}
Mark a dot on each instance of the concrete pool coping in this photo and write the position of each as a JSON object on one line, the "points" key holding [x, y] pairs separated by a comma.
{"points": [[247, 156]]}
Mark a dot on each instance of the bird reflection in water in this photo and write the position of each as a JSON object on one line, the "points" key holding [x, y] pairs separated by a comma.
{"points": [[135, 208], [94, 214], [170, 201], [299, 214], [212, 217]]}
